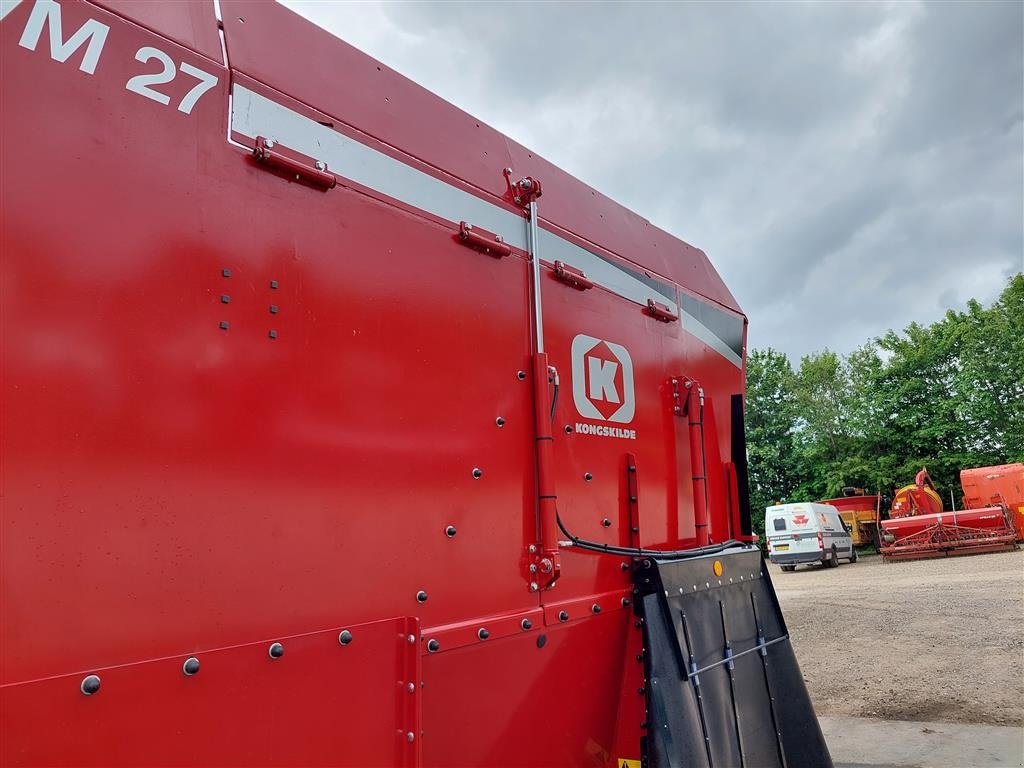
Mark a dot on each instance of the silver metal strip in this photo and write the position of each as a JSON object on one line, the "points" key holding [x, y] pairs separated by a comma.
{"points": [[538, 311], [254, 115]]}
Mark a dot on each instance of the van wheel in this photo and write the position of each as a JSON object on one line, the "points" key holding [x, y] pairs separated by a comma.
{"points": [[853, 557], [833, 559], [788, 568]]}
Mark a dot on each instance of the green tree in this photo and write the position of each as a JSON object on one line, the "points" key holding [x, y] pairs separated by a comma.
{"points": [[770, 421]]}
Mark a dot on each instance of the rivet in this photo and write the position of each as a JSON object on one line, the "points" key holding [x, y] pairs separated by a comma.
{"points": [[533, 567], [411, 687], [273, 284], [526, 624], [450, 531], [595, 608], [223, 325], [411, 639], [625, 602], [191, 666], [500, 421], [273, 309], [477, 473], [225, 272], [225, 299], [421, 596], [276, 650], [532, 548], [563, 616], [272, 334], [410, 737], [606, 523], [433, 646], [542, 640], [521, 375], [345, 637], [588, 477], [568, 429], [482, 633], [90, 684]]}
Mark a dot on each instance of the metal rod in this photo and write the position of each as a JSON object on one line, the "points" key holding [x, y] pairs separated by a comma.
{"points": [[695, 680], [731, 669], [538, 315]]}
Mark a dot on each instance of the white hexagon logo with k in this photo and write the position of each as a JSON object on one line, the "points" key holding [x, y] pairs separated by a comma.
{"points": [[602, 380]]}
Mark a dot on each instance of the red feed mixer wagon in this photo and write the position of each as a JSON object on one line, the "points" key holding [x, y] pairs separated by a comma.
{"points": [[919, 527], [337, 428]]}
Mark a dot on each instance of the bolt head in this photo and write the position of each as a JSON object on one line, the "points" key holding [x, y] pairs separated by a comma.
{"points": [[273, 284], [526, 624], [500, 421], [90, 685], [595, 608], [533, 586], [588, 477], [272, 334], [606, 523], [433, 646], [411, 687], [563, 616], [269, 143], [625, 602], [477, 473], [482, 633], [421, 596], [321, 165], [533, 567], [276, 650], [345, 637], [411, 639], [410, 737], [542, 640], [520, 375], [191, 666], [450, 531]]}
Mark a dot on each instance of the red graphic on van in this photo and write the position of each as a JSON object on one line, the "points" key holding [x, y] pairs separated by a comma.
{"points": [[800, 519]]}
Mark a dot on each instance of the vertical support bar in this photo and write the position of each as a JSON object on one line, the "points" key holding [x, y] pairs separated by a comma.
{"points": [[546, 560], [633, 488], [538, 314]]}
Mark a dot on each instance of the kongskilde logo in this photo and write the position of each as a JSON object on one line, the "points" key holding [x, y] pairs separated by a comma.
{"points": [[602, 386]]}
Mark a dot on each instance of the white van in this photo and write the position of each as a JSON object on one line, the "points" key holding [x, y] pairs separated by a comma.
{"points": [[807, 533]]}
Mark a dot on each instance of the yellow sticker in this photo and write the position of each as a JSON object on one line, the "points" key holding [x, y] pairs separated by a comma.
{"points": [[623, 762]]}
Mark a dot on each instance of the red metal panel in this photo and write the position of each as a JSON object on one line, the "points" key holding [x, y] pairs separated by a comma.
{"points": [[192, 24], [520, 702], [321, 703], [336, 78]]}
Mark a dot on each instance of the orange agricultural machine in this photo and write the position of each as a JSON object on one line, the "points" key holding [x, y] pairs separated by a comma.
{"points": [[919, 527], [859, 511]]}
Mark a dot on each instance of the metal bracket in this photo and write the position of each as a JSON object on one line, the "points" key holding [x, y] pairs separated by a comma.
{"points": [[266, 153], [492, 245], [661, 312], [632, 488], [524, 191], [572, 276]]}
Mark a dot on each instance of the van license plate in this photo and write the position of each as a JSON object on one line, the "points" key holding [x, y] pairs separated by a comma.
{"points": [[781, 547]]}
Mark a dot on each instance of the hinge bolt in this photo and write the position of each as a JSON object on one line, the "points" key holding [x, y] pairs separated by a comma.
{"points": [[90, 685]]}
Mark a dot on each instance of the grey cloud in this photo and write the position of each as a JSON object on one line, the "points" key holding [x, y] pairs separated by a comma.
{"points": [[861, 159]]}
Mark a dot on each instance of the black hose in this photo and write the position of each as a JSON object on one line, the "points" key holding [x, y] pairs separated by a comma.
{"points": [[673, 554]]}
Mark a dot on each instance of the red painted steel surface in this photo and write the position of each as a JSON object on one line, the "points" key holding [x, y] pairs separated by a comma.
{"points": [[238, 408]]}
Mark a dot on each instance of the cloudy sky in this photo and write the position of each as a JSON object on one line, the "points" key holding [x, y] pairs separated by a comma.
{"points": [[848, 167]]}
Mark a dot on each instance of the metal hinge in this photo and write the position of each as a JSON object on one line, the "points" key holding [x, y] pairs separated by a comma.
{"points": [[660, 311], [524, 191], [572, 276], [492, 245], [266, 152]]}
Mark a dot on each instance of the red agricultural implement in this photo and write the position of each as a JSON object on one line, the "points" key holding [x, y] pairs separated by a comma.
{"points": [[918, 527], [338, 428]]}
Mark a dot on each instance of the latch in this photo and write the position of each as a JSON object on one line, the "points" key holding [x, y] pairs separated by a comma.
{"points": [[661, 312], [572, 276], [492, 245], [266, 153], [524, 191]]}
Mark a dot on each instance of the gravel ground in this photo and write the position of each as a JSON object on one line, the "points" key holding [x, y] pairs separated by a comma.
{"points": [[928, 640]]}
